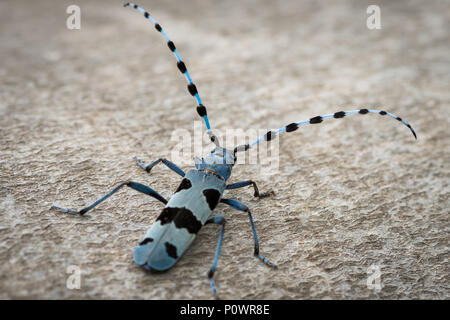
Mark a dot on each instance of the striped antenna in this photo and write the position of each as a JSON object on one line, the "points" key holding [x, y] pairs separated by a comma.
{"points": [[294, 126], [201, 109]]}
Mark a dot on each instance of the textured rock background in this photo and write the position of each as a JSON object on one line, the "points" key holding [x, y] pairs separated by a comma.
{"points": [[76, 106]]}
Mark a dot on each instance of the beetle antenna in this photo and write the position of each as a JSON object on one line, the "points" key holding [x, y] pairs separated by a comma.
{"points": [[201, 109], [337, 115]]}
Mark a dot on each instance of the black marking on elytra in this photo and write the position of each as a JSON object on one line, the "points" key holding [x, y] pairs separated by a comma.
{"points": [[212, 197], [201, 110], [363, 111], [383, 113], [269, 136], [315, 120], [135, 6], [339, 114], [291, 127], [186, 219], [158, 27], [146, 14], [185, 184], [167, 215], [171, 46], [145, 241], [181, 217], [181, 66], [399, 119], [171, 250], [192, 89]]}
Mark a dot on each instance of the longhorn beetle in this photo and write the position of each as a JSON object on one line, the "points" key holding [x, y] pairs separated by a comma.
{"points": [[201, 189]]}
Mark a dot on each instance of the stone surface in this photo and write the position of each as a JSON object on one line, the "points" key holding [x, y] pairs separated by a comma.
{"points": [[77, 105]]}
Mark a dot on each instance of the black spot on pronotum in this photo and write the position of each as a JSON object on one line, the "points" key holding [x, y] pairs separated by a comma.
{"points": [[171, 250], [185, 184], [315, 120], [192, 89], [269, 136], [399, 119], [383, 113], [339, 114], [171, 46], [181, 217], [158, 27], [363, 111], [145, 241], [291, 127], [212, 197], [181, 66], [201, 110], [146, 14]]}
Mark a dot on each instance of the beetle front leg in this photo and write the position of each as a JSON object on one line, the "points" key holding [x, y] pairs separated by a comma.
{"points": [[245, 183], [172, 166]]}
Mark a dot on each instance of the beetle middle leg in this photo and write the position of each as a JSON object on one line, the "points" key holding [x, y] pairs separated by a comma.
{"points": [[172, 166], [133, 185], [245, 183], [218, 219], [242, 207]]}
